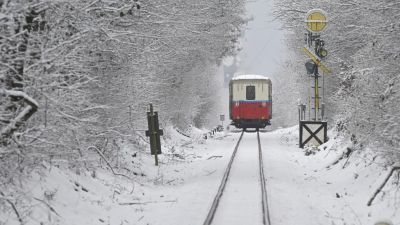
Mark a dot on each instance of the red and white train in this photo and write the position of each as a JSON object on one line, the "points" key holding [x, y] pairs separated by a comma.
{"points": [[250, 101]]}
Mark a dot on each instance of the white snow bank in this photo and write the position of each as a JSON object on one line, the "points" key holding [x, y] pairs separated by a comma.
{"points": [[313, 190], [325, 187]]}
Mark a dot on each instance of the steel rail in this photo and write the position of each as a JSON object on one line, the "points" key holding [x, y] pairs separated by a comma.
{"points": [[264, 202], [266, 218], [218, 196]]}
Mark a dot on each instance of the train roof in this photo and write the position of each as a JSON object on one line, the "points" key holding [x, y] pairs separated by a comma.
{"points": [[250, 77]]}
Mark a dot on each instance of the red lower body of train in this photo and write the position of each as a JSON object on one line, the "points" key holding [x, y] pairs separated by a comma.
{"points": [[251, 114]]}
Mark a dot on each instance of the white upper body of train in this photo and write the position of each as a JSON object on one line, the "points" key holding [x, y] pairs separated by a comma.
{"points": [[250, 87]]}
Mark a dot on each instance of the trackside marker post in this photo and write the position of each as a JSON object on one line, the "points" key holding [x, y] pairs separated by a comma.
{"points": [[222, 118], [154, 133]]}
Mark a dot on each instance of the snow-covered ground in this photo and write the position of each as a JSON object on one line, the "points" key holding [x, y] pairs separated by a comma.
{"points": [[314, 190], [302, 189]]}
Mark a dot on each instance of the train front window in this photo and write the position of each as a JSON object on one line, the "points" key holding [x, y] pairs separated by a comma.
{"points": [[250, 92]]}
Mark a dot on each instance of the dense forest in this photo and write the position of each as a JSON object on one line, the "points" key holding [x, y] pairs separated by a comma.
{"points": [[77, 76]]}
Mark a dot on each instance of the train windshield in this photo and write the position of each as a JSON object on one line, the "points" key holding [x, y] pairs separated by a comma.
{"points": [[250, 92]]}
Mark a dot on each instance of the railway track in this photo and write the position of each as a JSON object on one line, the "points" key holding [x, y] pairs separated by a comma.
{"points": [[262, 201]]}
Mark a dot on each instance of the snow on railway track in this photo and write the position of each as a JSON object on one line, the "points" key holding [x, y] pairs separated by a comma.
{"points": [[242, 195]]}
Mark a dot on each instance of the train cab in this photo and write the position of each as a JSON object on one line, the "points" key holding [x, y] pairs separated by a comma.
{"points": [[250, 101]]}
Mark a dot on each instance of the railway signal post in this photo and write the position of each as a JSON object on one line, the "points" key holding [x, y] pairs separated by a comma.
{"points": [[313, 131], [154, 133]]}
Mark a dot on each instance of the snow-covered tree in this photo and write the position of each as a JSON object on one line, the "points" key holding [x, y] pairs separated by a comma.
{"points": [[362, 39], [76, 76]]}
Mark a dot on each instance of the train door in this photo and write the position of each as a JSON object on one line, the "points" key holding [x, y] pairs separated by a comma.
{"points": [[258, 95], [250, 107]]}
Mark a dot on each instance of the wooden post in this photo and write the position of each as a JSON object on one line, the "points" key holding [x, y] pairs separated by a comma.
{"points": [[153, 133]]}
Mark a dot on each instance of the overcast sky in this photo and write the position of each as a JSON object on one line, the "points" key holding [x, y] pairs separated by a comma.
{"points": [[263, 46]]}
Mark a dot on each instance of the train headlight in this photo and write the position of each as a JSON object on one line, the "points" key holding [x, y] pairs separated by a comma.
{"points": [[264, 104], [237, 104]]}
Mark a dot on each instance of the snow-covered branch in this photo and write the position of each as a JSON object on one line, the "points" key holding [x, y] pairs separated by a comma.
{"points": [[23, 116]]}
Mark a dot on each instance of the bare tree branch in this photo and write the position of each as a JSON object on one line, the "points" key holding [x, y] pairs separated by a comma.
{"points": [[382, 185], [23, 116]]}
